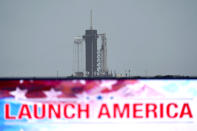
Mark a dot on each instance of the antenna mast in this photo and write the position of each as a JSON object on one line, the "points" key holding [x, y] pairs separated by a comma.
{"points": [[91, 27]]}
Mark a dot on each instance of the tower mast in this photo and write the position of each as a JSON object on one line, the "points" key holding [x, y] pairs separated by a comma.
{"points": [[91, 26]]}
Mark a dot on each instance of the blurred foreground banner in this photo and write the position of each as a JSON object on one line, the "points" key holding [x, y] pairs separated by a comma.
{"points": [[99, 104]]}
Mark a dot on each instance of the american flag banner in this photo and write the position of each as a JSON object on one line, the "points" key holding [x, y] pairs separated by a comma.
{"points": [[98, 104]]}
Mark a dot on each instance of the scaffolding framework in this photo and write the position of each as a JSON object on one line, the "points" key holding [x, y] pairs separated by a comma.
{"points": [[102, 56]]}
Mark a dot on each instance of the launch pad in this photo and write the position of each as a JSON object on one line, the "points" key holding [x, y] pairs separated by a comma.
{"points": [[95, 57]]}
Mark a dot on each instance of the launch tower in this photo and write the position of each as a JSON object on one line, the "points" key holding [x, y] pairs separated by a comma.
{"points": [[90, 38], [95, 59]]}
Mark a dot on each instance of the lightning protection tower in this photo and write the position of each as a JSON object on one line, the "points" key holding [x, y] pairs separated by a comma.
{"points": [[78, 56]]}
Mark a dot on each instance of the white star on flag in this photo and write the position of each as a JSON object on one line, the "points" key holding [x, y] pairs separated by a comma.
{"points": [[52, 94], [21, 81], [108, 84], [83, 82], [18, 93]]}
